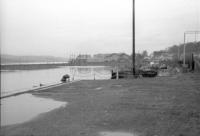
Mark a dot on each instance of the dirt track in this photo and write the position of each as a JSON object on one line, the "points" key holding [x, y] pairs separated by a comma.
{"points": [[162, 106]]}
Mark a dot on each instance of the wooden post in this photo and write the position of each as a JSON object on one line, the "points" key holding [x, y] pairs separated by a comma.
{"points": [[133, 48], [192, 65], [117, 74]]}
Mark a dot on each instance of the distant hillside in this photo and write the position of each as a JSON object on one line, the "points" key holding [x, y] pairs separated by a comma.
{"points": [[191, 47], [6, 59], [175, 50]]}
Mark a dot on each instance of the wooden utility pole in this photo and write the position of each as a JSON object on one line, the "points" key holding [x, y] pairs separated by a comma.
{"points": [[133, 51]]}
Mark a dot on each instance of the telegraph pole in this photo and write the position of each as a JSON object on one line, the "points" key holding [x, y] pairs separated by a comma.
{"points": [[133, 48]]}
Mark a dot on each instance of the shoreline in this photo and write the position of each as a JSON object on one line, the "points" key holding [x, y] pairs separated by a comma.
{"points": [[37, 89], [145, 106]]}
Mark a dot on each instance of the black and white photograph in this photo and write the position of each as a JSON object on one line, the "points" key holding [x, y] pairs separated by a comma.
{"points": [[100, 67]]}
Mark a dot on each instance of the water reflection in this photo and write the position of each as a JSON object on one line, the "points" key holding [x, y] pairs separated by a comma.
{"points": [[25, 107]]}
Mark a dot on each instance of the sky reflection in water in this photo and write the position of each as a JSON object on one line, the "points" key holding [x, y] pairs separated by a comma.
{"points": [[22, 108]]}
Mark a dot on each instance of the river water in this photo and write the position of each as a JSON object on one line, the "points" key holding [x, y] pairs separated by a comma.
{"points": [[21, 80]]}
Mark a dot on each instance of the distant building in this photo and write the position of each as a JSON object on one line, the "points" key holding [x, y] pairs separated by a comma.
{"points": [[120, 57], [197, 55], [146, 61], [83, 57], [166, 56], [100, 57], [162, 55]]}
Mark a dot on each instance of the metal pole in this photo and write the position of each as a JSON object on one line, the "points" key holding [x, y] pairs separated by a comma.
{"points": [[133, 52]]}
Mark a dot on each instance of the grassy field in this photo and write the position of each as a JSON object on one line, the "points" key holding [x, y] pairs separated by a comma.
{"points": [[162, 106]]}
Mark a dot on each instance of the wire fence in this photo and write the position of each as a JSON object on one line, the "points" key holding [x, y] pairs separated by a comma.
{"points": [[90, 74]]}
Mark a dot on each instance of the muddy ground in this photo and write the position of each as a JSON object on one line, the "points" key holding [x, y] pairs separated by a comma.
{"points": [[161, 106]]}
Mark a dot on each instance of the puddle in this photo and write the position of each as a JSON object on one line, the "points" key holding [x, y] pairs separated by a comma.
{"points": [[98, 88], [117, 85], [116, 134], [22, 108], [162, 74]]}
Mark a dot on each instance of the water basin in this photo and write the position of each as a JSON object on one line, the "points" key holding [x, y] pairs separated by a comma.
{"points": [[22, 108]]}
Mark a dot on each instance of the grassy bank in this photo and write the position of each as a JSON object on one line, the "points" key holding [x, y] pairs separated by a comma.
{"points": [[162, 106]]}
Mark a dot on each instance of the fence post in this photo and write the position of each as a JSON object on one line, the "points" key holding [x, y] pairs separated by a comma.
{"points": [[73, 78], [117, 74], [192, 62]]}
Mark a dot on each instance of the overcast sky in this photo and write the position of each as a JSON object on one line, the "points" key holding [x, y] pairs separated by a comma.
{"points": [[63, 27]]}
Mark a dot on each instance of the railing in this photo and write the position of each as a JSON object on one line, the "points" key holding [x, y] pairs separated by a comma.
{"points": [[91, 75]]}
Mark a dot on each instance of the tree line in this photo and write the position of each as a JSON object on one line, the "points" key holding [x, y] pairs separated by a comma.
{"points": [[191, 47]]}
